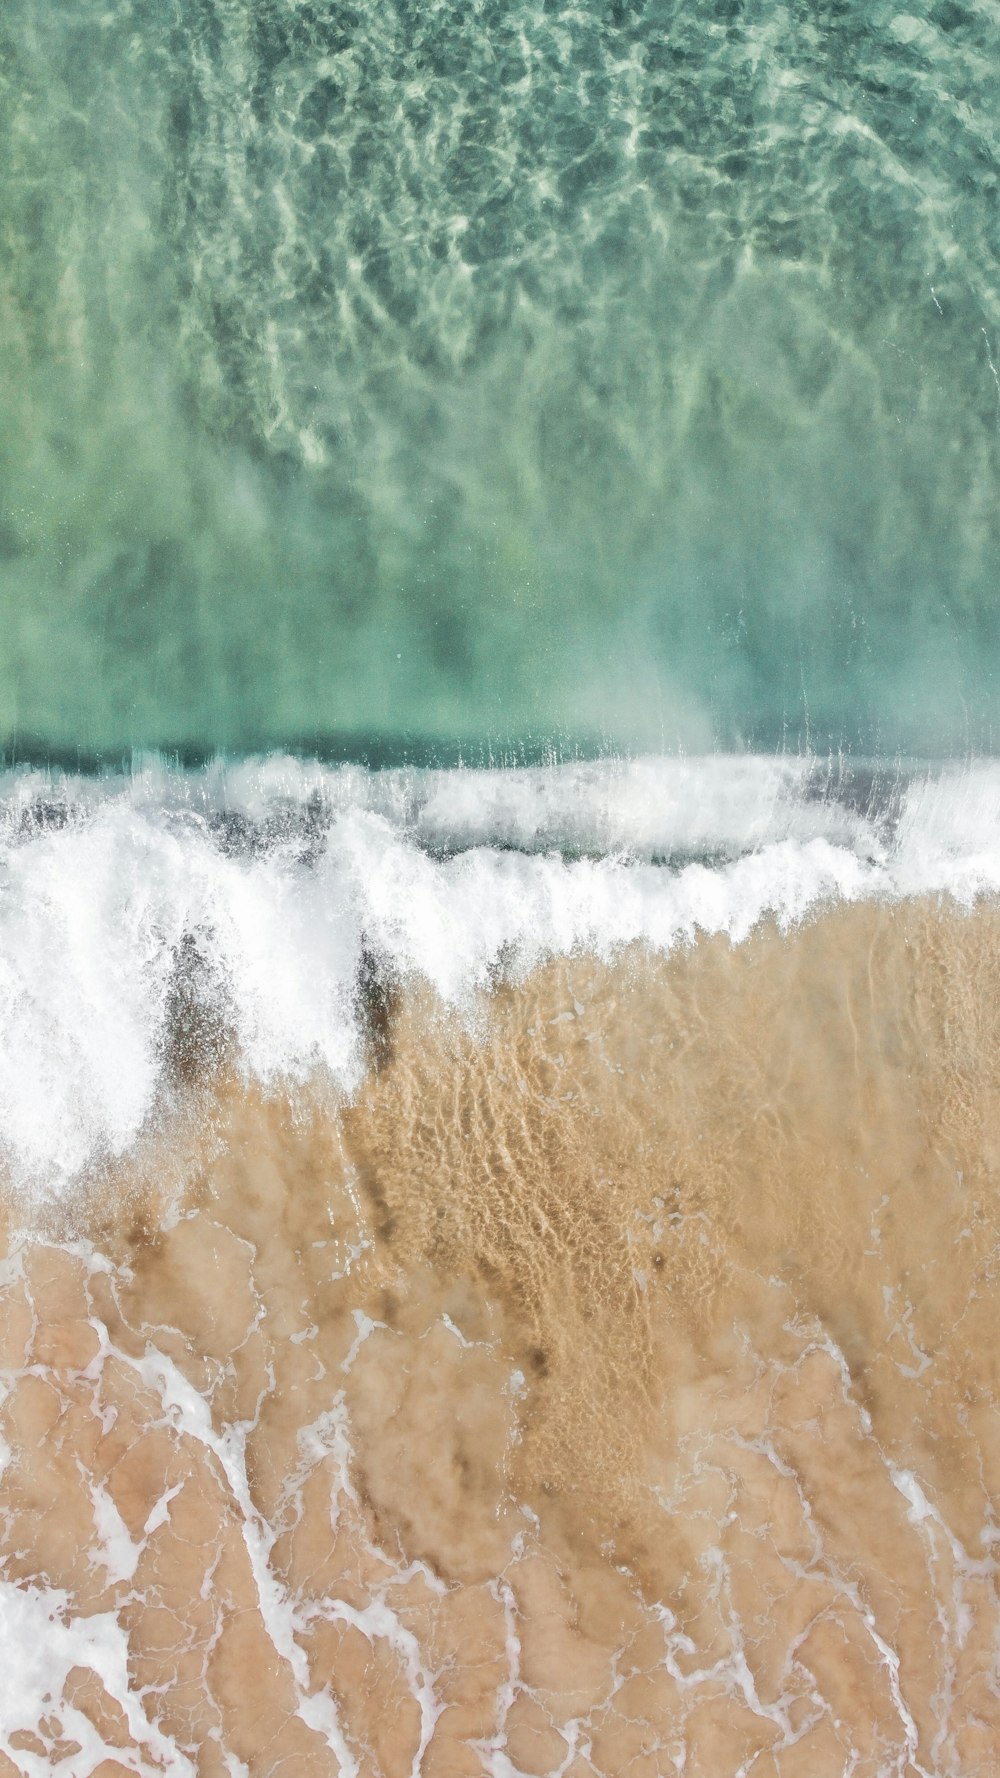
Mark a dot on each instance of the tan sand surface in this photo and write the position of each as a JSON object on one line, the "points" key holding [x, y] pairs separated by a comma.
{"points": [[611, 1389]]}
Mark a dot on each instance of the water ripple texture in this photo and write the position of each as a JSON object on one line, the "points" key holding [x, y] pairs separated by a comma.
{"points": [[383, 376]]}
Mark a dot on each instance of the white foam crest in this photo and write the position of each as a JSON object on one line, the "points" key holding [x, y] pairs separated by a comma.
{"points": [[644, 806], [98, 902], [647, 806], [948, 838]]}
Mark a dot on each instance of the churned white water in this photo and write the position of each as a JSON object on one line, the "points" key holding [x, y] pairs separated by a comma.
{"points": [[275, 880]]}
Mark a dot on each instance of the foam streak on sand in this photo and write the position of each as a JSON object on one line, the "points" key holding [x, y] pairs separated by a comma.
{"points": [[523, 1330]]}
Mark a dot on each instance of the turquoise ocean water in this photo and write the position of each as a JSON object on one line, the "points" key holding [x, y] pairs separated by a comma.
{"points": [[397, 380]]}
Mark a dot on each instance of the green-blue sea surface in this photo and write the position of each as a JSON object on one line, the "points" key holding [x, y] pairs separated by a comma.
{"points": [[387, 377]]}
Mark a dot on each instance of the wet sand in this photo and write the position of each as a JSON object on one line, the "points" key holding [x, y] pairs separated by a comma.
{"points": [[610, 1389]]}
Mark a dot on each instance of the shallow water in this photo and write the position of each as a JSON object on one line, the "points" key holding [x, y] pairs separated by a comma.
{"points": [[523, 375]]}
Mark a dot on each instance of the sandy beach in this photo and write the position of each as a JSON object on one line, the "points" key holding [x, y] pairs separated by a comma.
{"points": [[610, 1388]]}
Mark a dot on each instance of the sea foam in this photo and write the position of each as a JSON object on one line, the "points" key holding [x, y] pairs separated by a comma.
{"points": [[283, 881]]}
